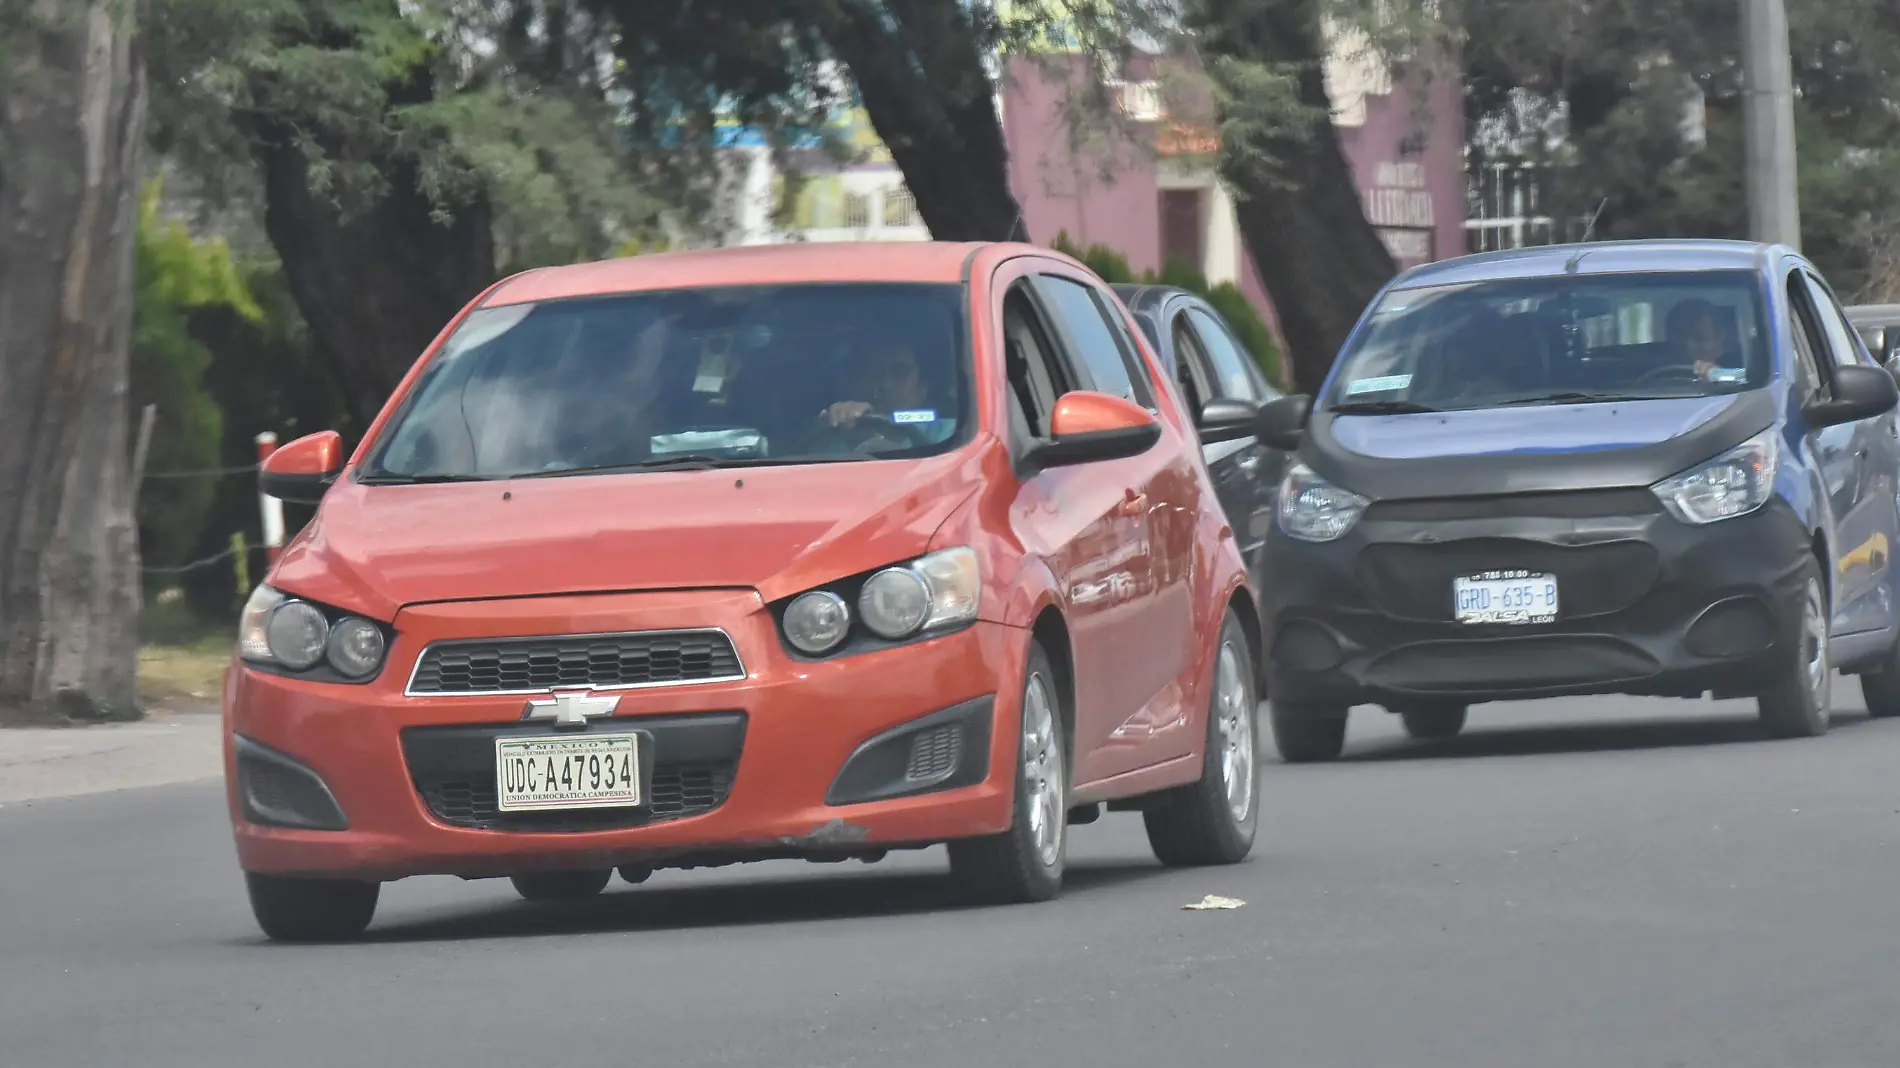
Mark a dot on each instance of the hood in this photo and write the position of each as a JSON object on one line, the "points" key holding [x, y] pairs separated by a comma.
{"points": [[1551, 428], [376, 549], [1555, 448]]}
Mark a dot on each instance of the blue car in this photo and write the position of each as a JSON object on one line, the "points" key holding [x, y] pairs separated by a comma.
{"points": [[1653, 467]]}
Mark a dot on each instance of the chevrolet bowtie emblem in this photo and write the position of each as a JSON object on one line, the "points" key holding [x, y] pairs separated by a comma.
{"points": [[572, 708]]}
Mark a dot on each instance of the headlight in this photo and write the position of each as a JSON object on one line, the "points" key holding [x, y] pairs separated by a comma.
{"points": [[1734, 483], [816, 622], [355, 647], [956, 587], [894, 603], [298, 635], [253, 641], [1313, 509], [929, 593]]}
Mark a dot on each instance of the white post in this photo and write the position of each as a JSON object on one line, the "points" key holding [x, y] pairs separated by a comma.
{"points": [[271, 507]]}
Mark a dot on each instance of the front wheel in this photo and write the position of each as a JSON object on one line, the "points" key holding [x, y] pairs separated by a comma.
{"points": [[1212, 820], [311, 910], [1307, 734], [1025, 862], [1797, 705], [1882, 689]]}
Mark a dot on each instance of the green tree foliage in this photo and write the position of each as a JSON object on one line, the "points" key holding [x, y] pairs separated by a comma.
{"points": [[1227, 298], [503, 103], [175, 277], [1602, 92]]}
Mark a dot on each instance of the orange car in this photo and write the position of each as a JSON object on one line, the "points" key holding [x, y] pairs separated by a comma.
{"points": [[707, 557]]}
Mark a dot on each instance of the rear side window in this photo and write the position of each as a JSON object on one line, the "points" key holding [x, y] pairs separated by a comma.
{"points": [[1230, 365], [1103, 351]]}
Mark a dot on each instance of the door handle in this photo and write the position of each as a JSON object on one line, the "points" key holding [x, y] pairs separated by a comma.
{"points": [[1249, 462]]}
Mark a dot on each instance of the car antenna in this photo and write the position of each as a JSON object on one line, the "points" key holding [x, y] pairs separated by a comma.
{"points": [[1589, 231]]}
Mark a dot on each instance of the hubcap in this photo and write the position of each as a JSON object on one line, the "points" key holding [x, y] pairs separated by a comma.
{"points": [[1043, 780], [1814, 642], [1234, 720]]}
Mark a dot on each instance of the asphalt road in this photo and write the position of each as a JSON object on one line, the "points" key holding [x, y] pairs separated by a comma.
{"points": [[1585, 883]]}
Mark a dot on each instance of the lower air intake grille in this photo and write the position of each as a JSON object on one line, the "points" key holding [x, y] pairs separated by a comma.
{"points": [[934, 753]]}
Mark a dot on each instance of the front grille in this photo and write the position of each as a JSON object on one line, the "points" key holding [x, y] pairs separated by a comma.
{"points": [[602, 661], [1544, 662], [1415, 581], [693, 760], [1572, 504]]}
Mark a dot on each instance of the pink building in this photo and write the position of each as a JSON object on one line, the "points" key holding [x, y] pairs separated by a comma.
{"points": [[1405, 143]]}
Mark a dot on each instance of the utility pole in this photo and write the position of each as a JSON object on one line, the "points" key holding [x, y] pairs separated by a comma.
{"points": [[1774, 208]]}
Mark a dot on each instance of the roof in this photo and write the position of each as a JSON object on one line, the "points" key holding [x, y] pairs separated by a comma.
{"points": [[1600, 257], [856, 261]]}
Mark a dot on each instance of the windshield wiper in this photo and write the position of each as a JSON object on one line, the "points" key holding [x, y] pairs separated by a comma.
{"points": [[418, 480], [1568, 397], [691, 461], [1384, 407]]}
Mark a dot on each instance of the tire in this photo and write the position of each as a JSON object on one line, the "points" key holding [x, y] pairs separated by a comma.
{"points": [[1796, 706], [1882, 689], [635, 874], [311, 910], [1025, 863], [1306, 734], [561, 885], [1433, 723], [1212, 820]]}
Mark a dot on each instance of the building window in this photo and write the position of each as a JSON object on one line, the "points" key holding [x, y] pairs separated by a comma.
{"points": [[1139, 101], [900, 207]]}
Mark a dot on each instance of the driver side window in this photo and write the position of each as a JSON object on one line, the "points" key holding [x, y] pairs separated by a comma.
{"points": [[1036, 377]]}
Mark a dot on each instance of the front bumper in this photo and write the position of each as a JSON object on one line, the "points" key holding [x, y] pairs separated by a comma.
{"points": [[1647, 604], [787, 761]]}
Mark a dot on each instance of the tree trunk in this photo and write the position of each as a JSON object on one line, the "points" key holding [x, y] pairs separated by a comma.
{"points": [[921, 76], [374, 286], [71, 135], [1299, 207]]}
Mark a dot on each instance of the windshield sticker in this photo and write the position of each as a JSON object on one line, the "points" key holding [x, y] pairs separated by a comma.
{"points": [[921, 415], [1384, 384]]}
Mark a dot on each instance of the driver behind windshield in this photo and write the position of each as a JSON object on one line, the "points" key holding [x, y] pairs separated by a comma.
{"points": [[890, 388], [1694, 332]]}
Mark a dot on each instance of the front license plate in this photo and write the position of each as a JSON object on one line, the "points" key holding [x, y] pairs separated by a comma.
{"points": [[1505, 597], [578, 771]]}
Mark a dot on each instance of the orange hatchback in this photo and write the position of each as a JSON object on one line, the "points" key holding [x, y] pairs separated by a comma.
{"points": [[709, 557]]}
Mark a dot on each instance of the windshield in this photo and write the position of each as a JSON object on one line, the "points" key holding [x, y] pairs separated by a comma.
{"points": [[1564, 340], [735, 376]]}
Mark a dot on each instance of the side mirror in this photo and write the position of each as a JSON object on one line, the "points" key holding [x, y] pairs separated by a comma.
{"points": [[1282, 422], [301, 471], [1859, 393], [1227, 420], [1086, 427]]}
